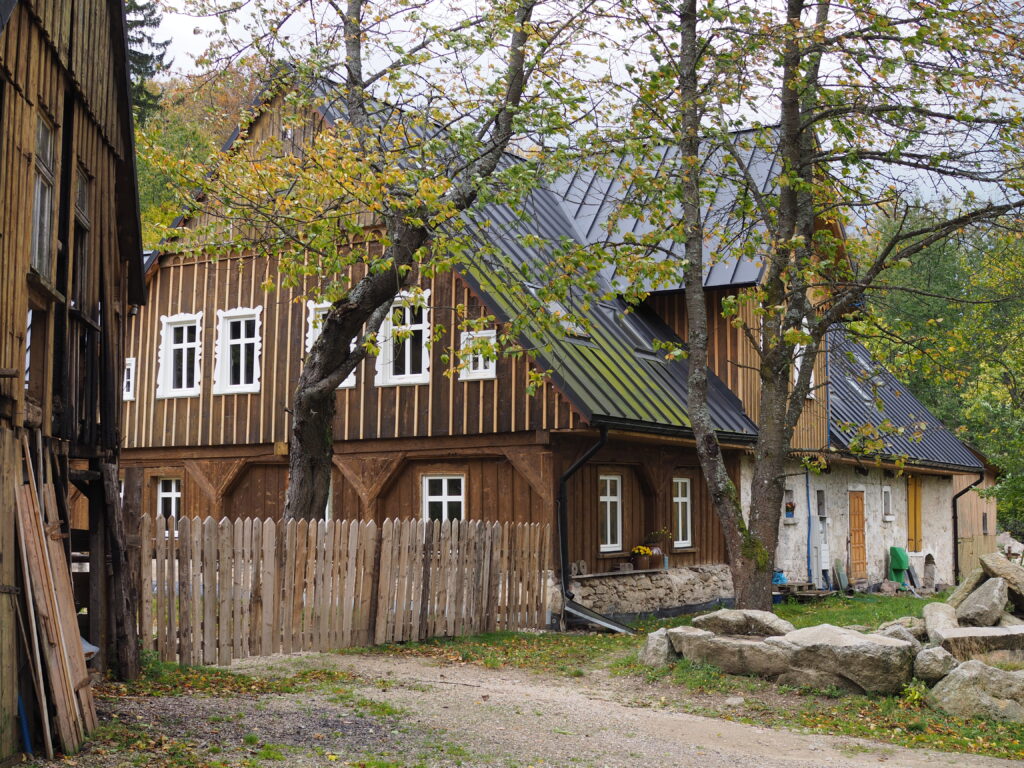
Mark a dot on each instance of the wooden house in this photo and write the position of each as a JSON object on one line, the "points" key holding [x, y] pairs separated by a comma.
{"points": [[70, 273], [213, 360]]}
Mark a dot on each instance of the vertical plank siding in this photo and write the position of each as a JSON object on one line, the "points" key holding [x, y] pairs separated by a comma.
{"points": [[444, 406], [735, 362], [259, 587]]}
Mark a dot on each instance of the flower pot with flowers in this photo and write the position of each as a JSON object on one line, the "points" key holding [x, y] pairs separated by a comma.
{"points": [[641, 555], [658, 541]]}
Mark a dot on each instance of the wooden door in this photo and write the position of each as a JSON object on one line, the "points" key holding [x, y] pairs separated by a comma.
{"points": [[914, 535], [858, 547]]}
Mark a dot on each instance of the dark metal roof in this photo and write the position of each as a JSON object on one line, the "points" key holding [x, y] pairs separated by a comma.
{"points": [[614, 376], [589, 199], [6, 9], [862, 392]]}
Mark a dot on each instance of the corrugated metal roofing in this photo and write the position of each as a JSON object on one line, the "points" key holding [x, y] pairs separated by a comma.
{"points": [[614, 376], [862, 392], [589, 199]]}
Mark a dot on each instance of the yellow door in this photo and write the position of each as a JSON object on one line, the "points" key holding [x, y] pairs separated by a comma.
{"points": [[858, 548], [914, 542]]}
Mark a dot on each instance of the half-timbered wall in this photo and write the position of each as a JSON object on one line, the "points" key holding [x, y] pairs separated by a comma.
{"points": [[735, 362], [444, 406]]}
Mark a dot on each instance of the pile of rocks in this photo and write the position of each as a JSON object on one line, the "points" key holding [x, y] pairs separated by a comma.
{"points": [[947, 649]]}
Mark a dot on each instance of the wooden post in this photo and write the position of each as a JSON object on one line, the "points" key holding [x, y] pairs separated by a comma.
{"points": [[124, 648], [99, 585]]}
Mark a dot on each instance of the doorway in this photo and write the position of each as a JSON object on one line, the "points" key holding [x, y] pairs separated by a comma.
{"points": [[858, 546]]}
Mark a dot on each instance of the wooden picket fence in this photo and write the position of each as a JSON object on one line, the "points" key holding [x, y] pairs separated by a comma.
{"points": [[217, 590]]}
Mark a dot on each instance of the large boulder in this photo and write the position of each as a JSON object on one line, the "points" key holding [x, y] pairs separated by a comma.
{"points": [[997, 566], [1009, 620], [974, 689], [733, 655], [970, 583], [657, 650], [900, 633], [968, 642], [933, 664], [983, 606], [939, 617], [730, 621], [912, 623], [874, 663], [817, 680]]}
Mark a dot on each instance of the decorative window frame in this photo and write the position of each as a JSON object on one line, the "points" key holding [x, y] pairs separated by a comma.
{"points": [[488, 367], [385, 377], [128, 380], [314, 309], [167, 323], [221, 374], [677, 502], [176, 499], [444, 498], [44, 192], [616, 499]]}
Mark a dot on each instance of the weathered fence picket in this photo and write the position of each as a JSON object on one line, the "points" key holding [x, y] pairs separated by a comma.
{"points": [[214, 591]]}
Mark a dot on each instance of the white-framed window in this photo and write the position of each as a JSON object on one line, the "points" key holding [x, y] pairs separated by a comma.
{"points": [[128, 382], [315, 312], [887, 514], [798, 362], [168, 500], [444, 497], [683, 533], [609, 500], [181, 355], [42, 203], [405, 343], [239, 344], [478, 360]]}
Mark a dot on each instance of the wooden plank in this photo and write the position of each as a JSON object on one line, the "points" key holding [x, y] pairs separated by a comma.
{"points": [[256, 574], [246, 569], [299, 585], [170, 580], [238, 566], [310, 581], [340, 554], [209, 591], [271, 611], [146, 555], [328, 601], [225, 584], [196, 589], [185, 591], [288, 600], [161, 587], [351, 575], [440, 624], [383, 594]]}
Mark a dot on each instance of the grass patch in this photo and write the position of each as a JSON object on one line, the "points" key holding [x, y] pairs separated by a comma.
{"points": [[867, 609], [566, 654]]}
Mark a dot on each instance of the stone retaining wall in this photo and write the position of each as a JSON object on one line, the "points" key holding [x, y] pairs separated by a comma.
{"points": [[623, 594]]}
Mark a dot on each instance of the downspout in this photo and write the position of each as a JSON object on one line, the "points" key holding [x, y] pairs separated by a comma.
{"points": [[563, 510], [807, 488], [956, 524]]}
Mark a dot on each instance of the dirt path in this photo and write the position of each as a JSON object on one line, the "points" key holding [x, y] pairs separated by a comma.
{"points": [[514, 718]]}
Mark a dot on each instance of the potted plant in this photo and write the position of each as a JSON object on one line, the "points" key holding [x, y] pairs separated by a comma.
{"points": [[658, 541], [790, 508], [641, 555]]}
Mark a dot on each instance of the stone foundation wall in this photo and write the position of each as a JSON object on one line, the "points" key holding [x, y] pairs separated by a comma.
{"points": [[631, 593]]}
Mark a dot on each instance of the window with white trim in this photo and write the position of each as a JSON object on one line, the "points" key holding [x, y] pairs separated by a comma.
{"points": [[168, 500], [681, 517], [128, 382], [443, 497], [405, 343], [798, 362], [315, 313], [887, 503], [181, 354], [477, 355], [42, 203], [239, 344], [609, 501]]}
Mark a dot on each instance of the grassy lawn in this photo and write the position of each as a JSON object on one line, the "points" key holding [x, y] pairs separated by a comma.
{"points": [[903, 720]]}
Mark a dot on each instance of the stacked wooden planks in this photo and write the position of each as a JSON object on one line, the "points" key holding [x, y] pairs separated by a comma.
{"points": [[214, 591], [56, 646]]}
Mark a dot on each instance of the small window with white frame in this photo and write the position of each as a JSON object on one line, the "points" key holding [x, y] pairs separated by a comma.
{"points": [[316, 311], [681, 517], [476, 353], [128, 382], [181, 354], [609, 501], [887, 514], [444, 497], [239, 344], [405, 343], [168, 501]]}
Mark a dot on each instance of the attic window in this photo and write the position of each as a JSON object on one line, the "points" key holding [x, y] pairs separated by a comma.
{"points": [[558, 311]]}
